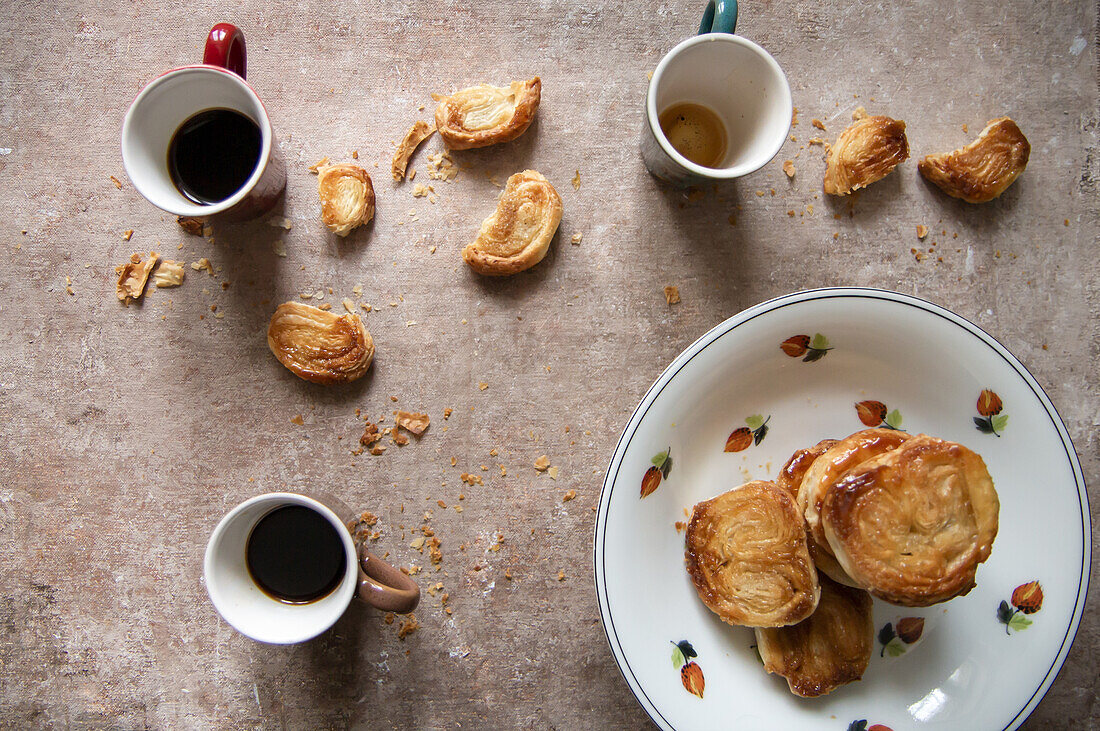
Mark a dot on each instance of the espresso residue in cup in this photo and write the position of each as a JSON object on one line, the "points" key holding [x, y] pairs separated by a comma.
{"points": [[696, 132], [295, 555]]}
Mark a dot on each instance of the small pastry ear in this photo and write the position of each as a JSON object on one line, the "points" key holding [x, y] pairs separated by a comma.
{"points": [[347, 197], [865, 152], [985, 168], [518, 233], [319, 346], [484, 115]]}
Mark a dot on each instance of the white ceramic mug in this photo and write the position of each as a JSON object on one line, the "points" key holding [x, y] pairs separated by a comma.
{"points": [[257, 614], [731, 76], [175, 96]]}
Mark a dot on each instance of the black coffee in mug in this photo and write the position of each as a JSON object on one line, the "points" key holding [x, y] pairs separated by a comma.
{"points": [[295, 555], [213, 154]]}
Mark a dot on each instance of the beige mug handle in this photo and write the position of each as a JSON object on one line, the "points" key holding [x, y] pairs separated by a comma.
{"points": [[384, 587]]}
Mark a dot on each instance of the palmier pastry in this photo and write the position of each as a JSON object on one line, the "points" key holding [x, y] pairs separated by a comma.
{"points": [[347, 197], [830, 648], [791, 474], [982, 170], [865, 152], [746, 553], [913, 524], [517, 235], [318, 345], [484, 115]]}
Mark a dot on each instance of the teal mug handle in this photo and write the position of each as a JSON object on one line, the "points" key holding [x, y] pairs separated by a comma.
{"points": [[720, 16]]}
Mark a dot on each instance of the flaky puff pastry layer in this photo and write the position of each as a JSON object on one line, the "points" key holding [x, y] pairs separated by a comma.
{"points": [[828, 649], [865, 152], [982, 170], [912, 525], [319, 346], [484, 115], [347, 197], [518, 233], [746, 554], [791, 474]]}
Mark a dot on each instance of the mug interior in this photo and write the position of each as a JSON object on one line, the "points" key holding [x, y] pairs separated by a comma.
{"points": [[741, 83], [243, 604], [159, 110]]}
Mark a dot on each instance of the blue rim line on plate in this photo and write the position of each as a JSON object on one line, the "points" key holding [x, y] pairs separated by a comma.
{"points": [[772, 305]]}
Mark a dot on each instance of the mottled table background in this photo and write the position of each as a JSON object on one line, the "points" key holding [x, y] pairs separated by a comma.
{"points": [[128, 432]]}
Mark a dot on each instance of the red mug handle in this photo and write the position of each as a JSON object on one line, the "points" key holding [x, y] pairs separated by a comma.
{"points": [[225, 48]]}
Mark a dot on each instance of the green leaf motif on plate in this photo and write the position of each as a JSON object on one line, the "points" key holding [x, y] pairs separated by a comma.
{"points": [[755, 421], [677, 657], [893, 419], [1000, 422], [820, 342]]}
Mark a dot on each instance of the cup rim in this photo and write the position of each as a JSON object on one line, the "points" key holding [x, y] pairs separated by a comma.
{"points": [[266, 135], [651, 106], [344, 592]]}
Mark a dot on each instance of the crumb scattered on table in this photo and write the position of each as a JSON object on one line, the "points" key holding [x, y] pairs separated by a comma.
{"points": [[672, 294]]}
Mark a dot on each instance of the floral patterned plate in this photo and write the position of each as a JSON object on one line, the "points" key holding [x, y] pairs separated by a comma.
{"points": [[780, 376]]}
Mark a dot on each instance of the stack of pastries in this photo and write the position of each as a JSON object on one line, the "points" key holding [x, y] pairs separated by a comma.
{"points": [[905, 518]]}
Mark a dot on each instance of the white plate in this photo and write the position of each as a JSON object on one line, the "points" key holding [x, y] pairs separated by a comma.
{"points": [[928, 366]]}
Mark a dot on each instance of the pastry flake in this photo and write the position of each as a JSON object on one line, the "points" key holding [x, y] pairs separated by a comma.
{"points": [[132, 277], [985, 168], [865, 152], [747, 556], [419, 132], [913, 524], [517, 235], [347, 197], [485, 115], [318, 345], [830, 648], [169, 273], [416, 423]]}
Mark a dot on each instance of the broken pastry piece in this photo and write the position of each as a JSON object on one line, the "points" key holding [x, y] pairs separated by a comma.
{"points": [[865, 152], [318, 345], [132, 277], [985, 168], [416, 134], [517, 235], [169, 273], [912, 525], [347, 197], [830, 648], [485, 115], [747, 556]]}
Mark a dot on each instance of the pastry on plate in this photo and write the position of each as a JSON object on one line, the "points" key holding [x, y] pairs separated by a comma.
{"points": [[791, 474], [318, 345], [747, 556], [517, 235], [865, 152], [982, 170], [912, 524], [484, 115], [828, 649], [347, 197]]}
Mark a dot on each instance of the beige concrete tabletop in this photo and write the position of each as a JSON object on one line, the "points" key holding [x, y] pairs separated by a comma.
{"points": [[129, 431]]}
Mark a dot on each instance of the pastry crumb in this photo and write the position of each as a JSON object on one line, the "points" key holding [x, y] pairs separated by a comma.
{"points": [[316, 167], [126, 235], [116, 181], [169, 273], [672, 294], [482, 386], [419, 132], [542, 463], [859, 114], [576, 239], [132, 277], [788, 168], [818, 123], [553, 472], [922, 231], [297, 419], [577, 180], [680, 526], [414, 422], [408, 626], [203, 264], [561, 575], [570, 495]]}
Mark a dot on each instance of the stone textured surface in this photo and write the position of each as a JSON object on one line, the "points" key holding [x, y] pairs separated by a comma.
{"points": [[128, 432]]}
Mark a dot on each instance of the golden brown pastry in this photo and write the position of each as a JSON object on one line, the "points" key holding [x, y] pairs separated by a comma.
{"points": [[746, 553], [169, 273], [484, 115], [913, 524], [830, 648], [416, 134], [791, 474], [865, 152], [825, 471], [517, 235], [982, 170], [132, 277], [347, 197], [318, 345]]}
